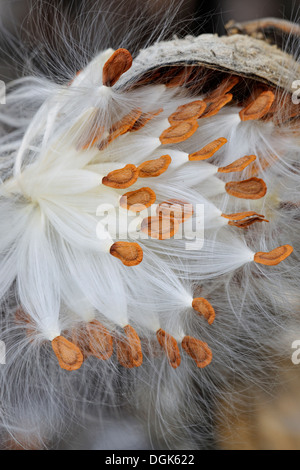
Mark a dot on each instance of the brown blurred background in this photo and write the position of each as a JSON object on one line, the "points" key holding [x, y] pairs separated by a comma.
{"points": [[210, 15]]}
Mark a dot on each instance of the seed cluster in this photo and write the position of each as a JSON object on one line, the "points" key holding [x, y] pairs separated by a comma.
{"points": [[182, 125]]}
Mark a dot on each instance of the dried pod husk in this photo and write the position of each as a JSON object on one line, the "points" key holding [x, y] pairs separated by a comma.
{"points": [[240, 55]]}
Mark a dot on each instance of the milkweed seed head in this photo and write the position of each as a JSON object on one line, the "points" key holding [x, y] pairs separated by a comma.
{"points": [[134, 260]]}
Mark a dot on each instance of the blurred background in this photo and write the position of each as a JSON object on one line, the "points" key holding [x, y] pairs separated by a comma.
{"points": [[261, 422], [204, 16]]}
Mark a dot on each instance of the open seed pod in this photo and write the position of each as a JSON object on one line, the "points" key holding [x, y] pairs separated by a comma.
{"points": [[150, 234]]}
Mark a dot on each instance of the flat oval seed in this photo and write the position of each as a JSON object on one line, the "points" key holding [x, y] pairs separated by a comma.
{"points": [[129, 349], [205, 309], [244, 219], [179, 132], [170, 346], [238, 165], [100, 341], [121, 179], [180, 210], [153, 168], [246, 223], [208, 151], [188, 112], [217, 105], [135, 345], [259, 107], [197, 350], [115, 66], [131, 254], [254, 188], [274, 257], [242, 215], [160, 228], [68, 354], [138, 200]]}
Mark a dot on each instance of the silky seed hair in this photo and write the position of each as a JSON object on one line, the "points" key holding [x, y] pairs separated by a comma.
{"points": [[149, 245]]}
